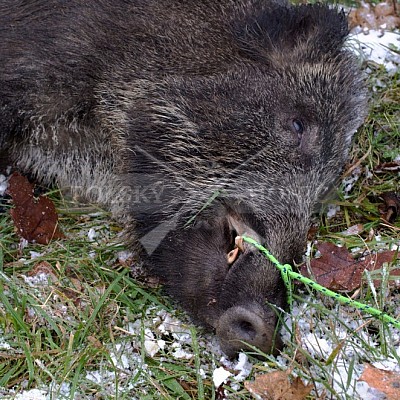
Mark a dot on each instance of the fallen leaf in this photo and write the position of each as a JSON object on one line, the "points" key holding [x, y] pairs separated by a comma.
{"points": [[312, 232], [387, 382], [43, 267], [35, 219], [353, 230], [393, 166], [278, 386], [390, 209], [70, 294], [368, 16], [95, 342], [336, 269]]}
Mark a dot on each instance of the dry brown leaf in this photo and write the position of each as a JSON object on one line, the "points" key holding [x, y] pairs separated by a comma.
{"points": [[390, 209], [387, 382], [382, 15], [35, 220], [278, 386], [336, 269], [353, 230], [43, 267], [95, 342]]}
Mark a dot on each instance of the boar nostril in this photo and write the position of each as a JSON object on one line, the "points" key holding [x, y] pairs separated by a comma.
{"points": [[244, 327], [247, 329]]}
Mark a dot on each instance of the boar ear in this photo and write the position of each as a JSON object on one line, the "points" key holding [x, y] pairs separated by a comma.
{"points": [[308, 31]]}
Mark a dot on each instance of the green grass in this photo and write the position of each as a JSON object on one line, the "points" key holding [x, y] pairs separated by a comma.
{"points": [[61, 329], [82, 329]]}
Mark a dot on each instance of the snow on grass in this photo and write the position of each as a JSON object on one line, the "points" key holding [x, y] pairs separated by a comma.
{"points": [[3, 344], [3, 185], [341, 339], [376, 46], [220, 376], [33, 394]]}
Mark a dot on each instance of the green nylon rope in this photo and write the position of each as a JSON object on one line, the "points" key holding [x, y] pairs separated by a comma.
{"points": [[288, 274]]}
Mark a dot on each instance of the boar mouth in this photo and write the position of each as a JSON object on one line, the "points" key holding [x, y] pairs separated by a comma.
{"points": [[225, 284], [234, 254], [239, 228]]}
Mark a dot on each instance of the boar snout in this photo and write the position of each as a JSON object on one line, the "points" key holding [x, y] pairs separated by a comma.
{"points": [[245, 326]]}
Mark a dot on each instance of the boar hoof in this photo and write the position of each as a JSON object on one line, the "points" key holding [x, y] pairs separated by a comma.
{"points": [[243, 327]]}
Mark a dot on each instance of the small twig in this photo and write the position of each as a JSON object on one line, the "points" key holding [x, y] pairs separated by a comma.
{"points": [[356, 164], [35, 354]]}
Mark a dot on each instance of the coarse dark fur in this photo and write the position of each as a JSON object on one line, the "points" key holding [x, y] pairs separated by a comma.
{"points": [[194, 121]]}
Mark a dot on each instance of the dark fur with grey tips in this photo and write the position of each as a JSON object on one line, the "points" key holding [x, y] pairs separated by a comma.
{"points": [[153, 107]]}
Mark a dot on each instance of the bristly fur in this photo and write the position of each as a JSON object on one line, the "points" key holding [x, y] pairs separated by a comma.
{"points": [[194, 122]]}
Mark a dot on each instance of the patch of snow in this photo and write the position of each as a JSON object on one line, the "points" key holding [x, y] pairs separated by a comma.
{"points": [[179, 353], [394, 247], [95, 376], [352, 230], [317, 346], [123, 256], [320, 344], [202, 373], [4, 345], [332, 210], [92, 234], [368, 173], [35, 254], [23, 243], [309, 249], [151, 347], [3, 185], [133, 327], [365, 392], [126, 363], [167, 324], [63, 390], [349, 181], [33, 394], [151, 344], [375, 46], [220, 375], [243, 366], [39, 279], [390, 364], [119, 359], [241, 369], [340, 377]]}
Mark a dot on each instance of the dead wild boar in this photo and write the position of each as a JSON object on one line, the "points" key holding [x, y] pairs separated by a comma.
{"points": [[195, 122]]}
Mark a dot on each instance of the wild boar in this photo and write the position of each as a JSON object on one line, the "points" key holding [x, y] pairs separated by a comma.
{"points": [[195, 122]]}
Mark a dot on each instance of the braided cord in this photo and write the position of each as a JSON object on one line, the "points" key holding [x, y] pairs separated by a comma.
{"points": [[288, 274]]}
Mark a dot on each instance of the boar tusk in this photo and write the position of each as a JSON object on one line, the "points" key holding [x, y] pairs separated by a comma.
{"points": [[239, 243], [232, 255]]}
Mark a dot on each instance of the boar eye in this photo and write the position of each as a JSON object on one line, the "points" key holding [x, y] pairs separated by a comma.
{"points": [[298, 127]]}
